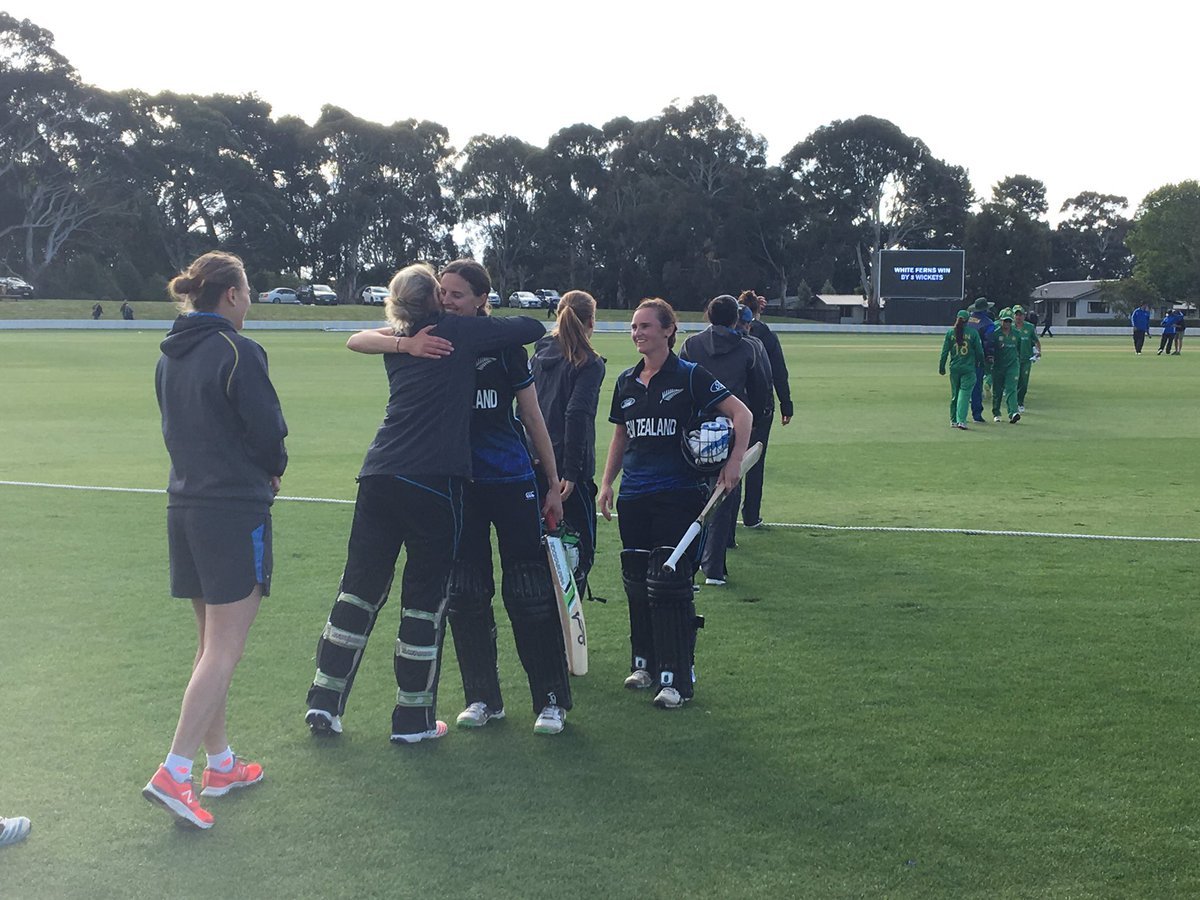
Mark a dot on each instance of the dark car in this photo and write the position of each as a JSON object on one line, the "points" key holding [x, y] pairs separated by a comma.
{"points": [[13, 286], [317, 294]]}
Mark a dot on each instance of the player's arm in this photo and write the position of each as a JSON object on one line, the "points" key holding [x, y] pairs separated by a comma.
{"points": [[530, 414], [612, 465], [945, 352], [423, 344], [733, 408]]}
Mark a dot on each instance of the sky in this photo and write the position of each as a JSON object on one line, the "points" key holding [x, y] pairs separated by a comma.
{"points": [[1094, 96]]}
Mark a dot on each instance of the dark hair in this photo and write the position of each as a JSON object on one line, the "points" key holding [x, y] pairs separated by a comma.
{"points": [[959, 326], [666, 316], [206, 279], [576, 311], [722, 310], [472, 273]]}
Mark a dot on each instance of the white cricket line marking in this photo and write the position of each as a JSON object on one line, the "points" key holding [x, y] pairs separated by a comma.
{"points": [[810, 525]]}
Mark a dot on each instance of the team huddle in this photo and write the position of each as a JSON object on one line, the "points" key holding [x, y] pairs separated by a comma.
{"points": [[477, 436]]}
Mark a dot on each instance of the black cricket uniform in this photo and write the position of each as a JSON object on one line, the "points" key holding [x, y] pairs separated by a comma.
{"points": [[568, 397], [410, 494], [660, 496], [503, 494], [224, 431], [753, 482]]}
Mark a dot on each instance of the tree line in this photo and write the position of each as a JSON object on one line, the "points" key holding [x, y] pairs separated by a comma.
{"points": [[107, 194]]}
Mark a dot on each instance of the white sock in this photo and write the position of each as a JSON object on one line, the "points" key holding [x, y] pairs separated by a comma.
{"points": [[223, 761], [180, 767]]}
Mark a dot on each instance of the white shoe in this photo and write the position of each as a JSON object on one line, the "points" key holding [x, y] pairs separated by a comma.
{"points": [[551, 720], [669, 698], [639, 680], [13, 830], [995, 418], [438, 730], [320, 721], [716, 581], [477, 715], [1020, 409]]}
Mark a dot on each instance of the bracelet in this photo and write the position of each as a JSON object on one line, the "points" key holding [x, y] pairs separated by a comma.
{"points": [[397, 343]]}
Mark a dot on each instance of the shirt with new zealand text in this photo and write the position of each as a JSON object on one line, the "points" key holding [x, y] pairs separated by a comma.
{"points": [[498, 449], [654, 417]]}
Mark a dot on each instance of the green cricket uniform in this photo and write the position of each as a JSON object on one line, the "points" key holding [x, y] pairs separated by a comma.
{"points": [[1005, 369], [1027, 337], [964, 359]]}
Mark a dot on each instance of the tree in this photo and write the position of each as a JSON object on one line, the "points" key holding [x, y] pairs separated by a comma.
{"points": [[880, 188], [1090, 241], [1165, 240], [1007, 245], [1128, 294]]}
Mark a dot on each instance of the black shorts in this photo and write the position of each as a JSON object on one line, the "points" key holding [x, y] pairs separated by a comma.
{"points": [[660, 519], [219, 554]]}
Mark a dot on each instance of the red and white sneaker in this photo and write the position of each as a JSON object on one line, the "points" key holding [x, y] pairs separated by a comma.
{"points": [[438, 730], [217, 784], [177, 799]]}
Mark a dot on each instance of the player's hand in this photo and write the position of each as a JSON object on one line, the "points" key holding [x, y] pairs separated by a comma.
{"points": [[606, 498], [565, 488], [276, 483], [941, 371], [731, 474], [425, 345], [552, 507], [784, 420]]}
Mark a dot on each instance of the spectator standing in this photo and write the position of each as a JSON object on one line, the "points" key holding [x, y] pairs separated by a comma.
{"points": [[97, 310], [1169, 324], [126, 311], [1179, 329]]}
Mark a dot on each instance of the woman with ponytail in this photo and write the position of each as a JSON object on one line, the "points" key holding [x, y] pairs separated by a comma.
{"points": [[568, 372], [965, 350]]}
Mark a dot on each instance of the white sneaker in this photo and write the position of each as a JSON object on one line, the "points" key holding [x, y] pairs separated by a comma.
{"points": [[1020, 409], [551, 720], [716, 581], [477, 715], [321, 722], [995, 418], [438, 730], [668, 698], [639, 680], [13, 830]]}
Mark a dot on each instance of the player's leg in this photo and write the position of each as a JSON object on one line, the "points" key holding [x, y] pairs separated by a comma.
{"points": [[633, 520], [716, 540], [433, 513], [472, 621], [531, 603], [376, 535], [753, 482], [1023, 384], [977, 395]]}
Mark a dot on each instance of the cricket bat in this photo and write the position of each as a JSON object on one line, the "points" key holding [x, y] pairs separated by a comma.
{"points": [[714, 502], [570, 605]]}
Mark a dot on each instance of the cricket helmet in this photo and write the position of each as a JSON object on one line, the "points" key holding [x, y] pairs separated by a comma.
{"points": [[706, 444]]}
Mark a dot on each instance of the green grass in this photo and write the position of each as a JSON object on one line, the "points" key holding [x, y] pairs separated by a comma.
{"points": [[879, 714]]}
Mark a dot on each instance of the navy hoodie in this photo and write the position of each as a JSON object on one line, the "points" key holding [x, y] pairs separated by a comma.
{"points": [[738, 361], [221, 419], [568, 397]]}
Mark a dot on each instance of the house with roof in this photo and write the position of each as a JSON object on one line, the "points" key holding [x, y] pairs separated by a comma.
{"points": [[1066, 300]]}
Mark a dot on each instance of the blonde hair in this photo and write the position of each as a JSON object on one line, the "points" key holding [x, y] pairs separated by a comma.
{"points": [[576, 312], [666, 316], [199, 289], [412, 297]]}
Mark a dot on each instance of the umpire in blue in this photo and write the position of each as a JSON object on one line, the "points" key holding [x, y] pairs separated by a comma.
{"points": [[981, 320]]}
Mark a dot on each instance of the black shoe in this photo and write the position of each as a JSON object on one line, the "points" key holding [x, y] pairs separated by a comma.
{"points": [[979, 418], [1014, 418], [758, 523]]}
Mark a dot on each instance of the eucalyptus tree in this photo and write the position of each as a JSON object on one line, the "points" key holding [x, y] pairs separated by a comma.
{"points": [[1007, 243], [1165, 240], [880, 188], [1089, 242]]}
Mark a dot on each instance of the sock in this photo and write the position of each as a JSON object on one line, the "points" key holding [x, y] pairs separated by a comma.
{"points": [[223, 761], [180, 767]]}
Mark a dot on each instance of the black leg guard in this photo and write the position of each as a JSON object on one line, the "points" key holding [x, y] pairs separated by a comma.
{"points": [[641, 634], [673, 616], [473, 628], [418, 665], [530, 601], [340, 649]]}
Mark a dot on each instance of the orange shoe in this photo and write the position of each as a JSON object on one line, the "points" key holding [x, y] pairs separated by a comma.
{"points": [[177, 799], [218, 784]]}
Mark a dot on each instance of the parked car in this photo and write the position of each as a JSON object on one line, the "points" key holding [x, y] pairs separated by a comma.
{"points": [[549, 298], [14, 286], [374, 295], [524, 300], [318, 294], [278, 295], [494, 300]]}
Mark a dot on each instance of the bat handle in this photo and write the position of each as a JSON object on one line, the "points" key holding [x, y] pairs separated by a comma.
{"points": [[684, 543]]}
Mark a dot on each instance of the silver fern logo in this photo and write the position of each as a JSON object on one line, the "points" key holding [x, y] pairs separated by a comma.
{"points": [[671, 394], [483, 362]]}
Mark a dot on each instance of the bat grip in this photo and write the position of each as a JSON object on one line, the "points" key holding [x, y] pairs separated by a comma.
{"points": [[684, 543]]}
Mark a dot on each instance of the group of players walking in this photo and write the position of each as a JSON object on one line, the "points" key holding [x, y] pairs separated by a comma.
{"points": [[450, 461], [983, 351]]}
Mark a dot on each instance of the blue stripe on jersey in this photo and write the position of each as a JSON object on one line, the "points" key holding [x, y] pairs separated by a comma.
{"points": [[257, 537]]}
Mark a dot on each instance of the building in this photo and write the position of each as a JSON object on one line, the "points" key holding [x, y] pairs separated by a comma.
{"points": [[1066, 300]]}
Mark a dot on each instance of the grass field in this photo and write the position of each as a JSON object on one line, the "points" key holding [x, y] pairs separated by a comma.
{"points": [[895, 714]]}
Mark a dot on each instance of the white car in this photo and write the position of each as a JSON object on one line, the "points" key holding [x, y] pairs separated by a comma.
{"points": [[278, 295], [494, 299], [524, 300], [373, 295]]}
